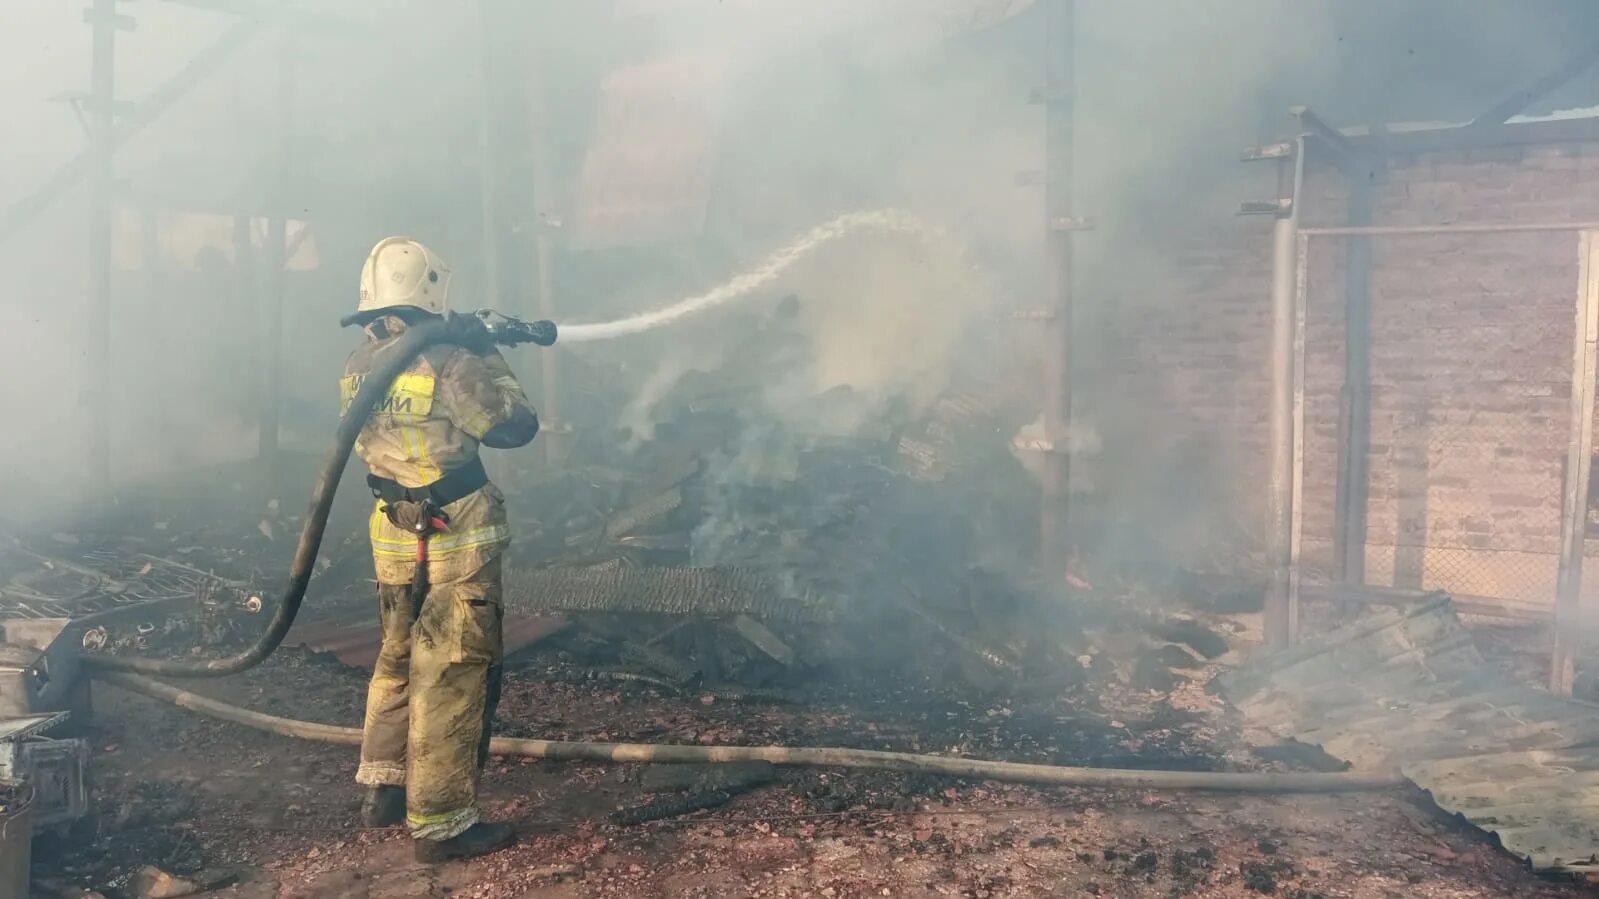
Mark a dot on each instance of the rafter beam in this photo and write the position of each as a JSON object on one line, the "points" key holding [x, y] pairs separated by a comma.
{"points": [[1344, 153], [1516, 103]]}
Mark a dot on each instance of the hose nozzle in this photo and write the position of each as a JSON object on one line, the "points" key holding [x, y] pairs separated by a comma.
{"points": [[509, 331]]}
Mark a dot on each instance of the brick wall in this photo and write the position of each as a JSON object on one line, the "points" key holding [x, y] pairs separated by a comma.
{"points": [[1470, 357]]}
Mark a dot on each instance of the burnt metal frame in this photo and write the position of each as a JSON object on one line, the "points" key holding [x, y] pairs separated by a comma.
{"points": [[1290, 264], [1362, 158], [1574, 490]]}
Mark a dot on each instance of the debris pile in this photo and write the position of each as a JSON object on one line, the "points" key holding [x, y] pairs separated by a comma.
{"points": [[754, 545]]}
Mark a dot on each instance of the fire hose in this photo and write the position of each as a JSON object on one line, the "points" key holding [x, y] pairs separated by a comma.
{"points": [[798, 756], [130, 672], [390, 363]]}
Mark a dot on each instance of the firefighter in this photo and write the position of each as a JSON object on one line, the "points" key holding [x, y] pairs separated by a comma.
{"points": [[438, 531]]}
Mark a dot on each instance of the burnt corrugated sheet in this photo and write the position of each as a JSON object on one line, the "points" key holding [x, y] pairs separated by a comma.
{"points": [[357, 643], [664, 590], [1406, 688]]}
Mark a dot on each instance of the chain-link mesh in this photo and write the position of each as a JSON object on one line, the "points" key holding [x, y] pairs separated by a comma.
{"points": [[1471, 375]]}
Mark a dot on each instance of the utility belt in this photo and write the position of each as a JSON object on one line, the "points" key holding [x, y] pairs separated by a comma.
{"points": [[420, 510], [456, 484]]}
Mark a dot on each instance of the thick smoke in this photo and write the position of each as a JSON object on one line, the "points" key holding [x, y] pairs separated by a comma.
{"points": [[810, 110]]}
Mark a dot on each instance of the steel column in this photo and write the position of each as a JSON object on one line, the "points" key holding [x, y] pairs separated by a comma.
{"points": [[277, 256], [1059, 100], [557, 429], [489, 181], [102, 119], [1579, 457], [1280, 613], [1354, 407], [149, 109], [1420, 230]]}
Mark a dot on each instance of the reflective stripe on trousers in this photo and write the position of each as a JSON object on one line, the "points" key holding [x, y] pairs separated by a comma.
{"points": [[432, 696]]}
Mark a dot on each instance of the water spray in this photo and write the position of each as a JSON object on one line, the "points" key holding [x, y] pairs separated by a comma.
{"points": [[774, 266]]}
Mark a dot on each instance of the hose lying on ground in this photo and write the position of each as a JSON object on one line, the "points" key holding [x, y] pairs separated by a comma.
{"points": [[804, 756], [389, 363]]}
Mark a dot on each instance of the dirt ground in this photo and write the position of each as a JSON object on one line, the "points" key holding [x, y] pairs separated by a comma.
{"points": [[274, 817]]}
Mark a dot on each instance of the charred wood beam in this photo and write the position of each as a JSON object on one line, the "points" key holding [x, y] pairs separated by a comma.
{"points": [[663, 663], [1340, 149], [740, 693], [673, 807], [619, 676], [1513, 105], [662, 590], [644, 513], [731, 776], [762, 638]]}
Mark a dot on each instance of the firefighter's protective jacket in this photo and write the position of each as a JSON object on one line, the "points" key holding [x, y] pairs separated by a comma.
{"points": [[431, 422]]}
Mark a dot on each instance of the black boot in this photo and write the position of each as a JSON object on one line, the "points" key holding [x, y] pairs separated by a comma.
{"points": [[479, 839], [383, 806]]}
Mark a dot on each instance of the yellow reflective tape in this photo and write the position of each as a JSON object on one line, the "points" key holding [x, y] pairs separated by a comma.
{"points": [[442, 543], [410, 397], [424, 461], [348, 385], [438, 819], [478, 425]]}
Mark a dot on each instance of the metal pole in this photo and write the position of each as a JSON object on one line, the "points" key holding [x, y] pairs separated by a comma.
{"points": [[556, 427], [1579, 457], [102, 118], [488, 158], [1354, 445], [277, 252], [161, 99], [1418, 230], [1059, 99], [1279, 502], [1296, 531]]}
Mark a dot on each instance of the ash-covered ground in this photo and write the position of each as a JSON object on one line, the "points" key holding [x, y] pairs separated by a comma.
{"points": [[1114, 673], [263, 816]]}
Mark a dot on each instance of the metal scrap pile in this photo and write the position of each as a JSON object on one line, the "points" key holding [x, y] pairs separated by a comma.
{"points": [[119, 597]]}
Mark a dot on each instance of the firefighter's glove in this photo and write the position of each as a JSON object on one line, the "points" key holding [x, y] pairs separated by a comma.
{"points": [[469, 332], [406, 516]]}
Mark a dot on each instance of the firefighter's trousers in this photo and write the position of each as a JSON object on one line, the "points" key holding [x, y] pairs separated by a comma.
{"points": [[433, 694]]}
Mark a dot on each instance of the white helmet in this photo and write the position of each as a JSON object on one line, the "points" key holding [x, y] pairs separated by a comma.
{"points": [[402, 272]]}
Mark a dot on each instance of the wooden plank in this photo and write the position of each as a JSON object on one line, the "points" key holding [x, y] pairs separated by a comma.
{"points": [[1579, 457]]}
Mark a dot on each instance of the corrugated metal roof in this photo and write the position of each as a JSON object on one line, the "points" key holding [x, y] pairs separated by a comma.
{"points": [[1407, 688]]}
